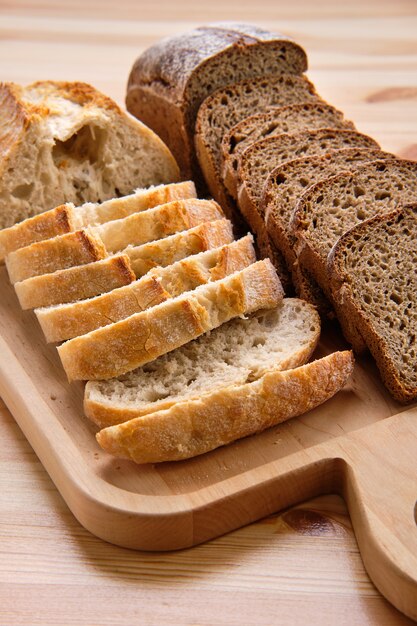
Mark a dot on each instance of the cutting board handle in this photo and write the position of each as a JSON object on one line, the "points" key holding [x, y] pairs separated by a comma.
{"points": [[379, 484]]}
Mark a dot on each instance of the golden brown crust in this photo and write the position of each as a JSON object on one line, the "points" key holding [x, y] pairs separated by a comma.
{"points": [[157, 223], [175, 247], [43, 226], [44, 257], [130, 343], [197, 426], [75, 283], [78, 318]]}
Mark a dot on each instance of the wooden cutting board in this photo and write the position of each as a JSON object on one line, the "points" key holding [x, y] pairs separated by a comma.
{"points": [[360, 444]]}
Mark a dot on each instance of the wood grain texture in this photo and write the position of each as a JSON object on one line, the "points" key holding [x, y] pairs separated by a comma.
{"points": [[363, 59]]}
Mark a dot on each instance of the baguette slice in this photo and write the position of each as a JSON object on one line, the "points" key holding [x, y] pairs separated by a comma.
{"points": [[238, 352], [66, 218], [176, 247], [157, 223], [372, 273], [228, 106], [286, 119], [44, 257], [90, 214], [258, 161], [75, 283], [331, 207], [78, 318], [123, 346], [67, 142], [197, 426]]}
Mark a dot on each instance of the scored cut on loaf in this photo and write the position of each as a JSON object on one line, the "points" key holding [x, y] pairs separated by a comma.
{"points": [[262, 157], [43, 257], [282, 189], [228, 106], [156, 223], [126, 345], [197, 426], [372, 274], [237, 352], [78, 318], [75, 283], [67, 142], [286, 119], [171, 249], [167, 95], [66, 218], [331, 207]]}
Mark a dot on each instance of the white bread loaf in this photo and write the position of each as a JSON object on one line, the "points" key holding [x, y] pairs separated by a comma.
{"points": [[67, 142]]}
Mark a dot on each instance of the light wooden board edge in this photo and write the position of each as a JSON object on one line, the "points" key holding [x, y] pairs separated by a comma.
{"points": [[344, 465]]}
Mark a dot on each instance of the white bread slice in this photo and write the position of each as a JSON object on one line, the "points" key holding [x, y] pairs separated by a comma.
{"points": [[123, 346], [170, 249], [66, 218], [157, 223], [76, 248], [75, 283], [68, 250], [67, 142], [238, 352], [78, 318], [196, 426]]}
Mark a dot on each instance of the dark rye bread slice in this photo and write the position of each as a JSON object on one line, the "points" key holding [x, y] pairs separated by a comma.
{"points": [[286, 119], [332, 207], [228, 106], [170, 80], [372, 273], [284, 186], [262, 157]]}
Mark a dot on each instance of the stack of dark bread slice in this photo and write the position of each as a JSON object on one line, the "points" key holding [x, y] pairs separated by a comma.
{"points": [[275, 155]]}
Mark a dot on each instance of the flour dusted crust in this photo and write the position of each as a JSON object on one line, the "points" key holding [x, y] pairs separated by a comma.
{"points": [[167, 251], [66, 142], [75, 283], [194, 427], [65, 322], [125, 345], [75, 248], [157, 223], [169, 80]]}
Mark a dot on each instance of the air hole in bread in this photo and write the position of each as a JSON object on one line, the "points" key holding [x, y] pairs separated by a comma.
{"points": [[23, 191], [83, 145], [382, 195]]}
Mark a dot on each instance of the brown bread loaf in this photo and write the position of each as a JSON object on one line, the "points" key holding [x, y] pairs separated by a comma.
{"points": [[170, 80]]}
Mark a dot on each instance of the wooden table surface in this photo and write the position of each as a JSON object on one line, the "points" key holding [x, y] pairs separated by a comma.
{"points": [[299, 566]]}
